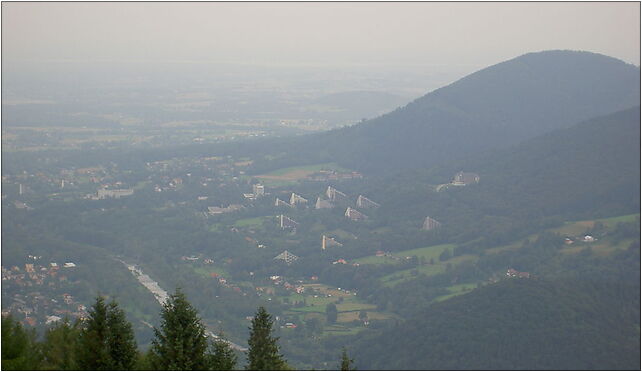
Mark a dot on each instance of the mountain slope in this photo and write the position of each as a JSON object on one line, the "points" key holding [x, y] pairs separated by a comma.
{"points": [[522, 324], [590, 170], [497, 106]]}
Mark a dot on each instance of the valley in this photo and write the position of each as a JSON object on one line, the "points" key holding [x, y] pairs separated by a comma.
{"points": [[381, 229]]}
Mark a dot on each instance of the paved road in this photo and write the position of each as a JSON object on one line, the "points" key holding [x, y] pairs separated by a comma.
{"points": [[161, 296]]}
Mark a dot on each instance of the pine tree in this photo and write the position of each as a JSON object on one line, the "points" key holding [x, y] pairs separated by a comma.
{"points": [[60, 345], [19, 347], [263, 353], [93, 351], [120, 339], [221, 357], [180, 343], [346, 363], [107, 340]]}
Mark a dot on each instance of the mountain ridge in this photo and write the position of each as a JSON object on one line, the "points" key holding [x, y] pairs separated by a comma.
{"points": [[494, 107]]}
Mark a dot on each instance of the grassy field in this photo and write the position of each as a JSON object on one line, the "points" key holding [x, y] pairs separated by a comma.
{"points": [[611, 222], [425, 252], [354, 315], [401, 276], [315, 306], [292, 175], [207, 271], [456, 290], [575, 228]]}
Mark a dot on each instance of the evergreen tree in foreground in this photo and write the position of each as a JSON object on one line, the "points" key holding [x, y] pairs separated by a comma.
{"points": [[107, 340], [222, 357], [60, 346], [120, 339], [263, 353], [19, 347], [180, 343], [346, 363], [92, 348]]}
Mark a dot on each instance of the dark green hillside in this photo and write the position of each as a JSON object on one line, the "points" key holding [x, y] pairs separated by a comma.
{"points": [[523, 324], [591, 170], [588, 170], [492, 108]]}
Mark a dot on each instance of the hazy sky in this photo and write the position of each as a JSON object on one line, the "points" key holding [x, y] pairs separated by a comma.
{"points": [[387, 34]]}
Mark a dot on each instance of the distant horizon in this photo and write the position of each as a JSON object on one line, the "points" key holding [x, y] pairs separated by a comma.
{"points": [[327, 34]]}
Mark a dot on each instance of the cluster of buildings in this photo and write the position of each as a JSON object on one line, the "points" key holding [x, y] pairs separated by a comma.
{"points": [[35, 275], [512, 273], [220, 210], [584, 239], [44, 305], [258, 190], [465, 178], [114, 193], [460, 179]]}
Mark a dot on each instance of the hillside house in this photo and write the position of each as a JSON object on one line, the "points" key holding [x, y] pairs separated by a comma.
{"points": [[334, 194], [323, 204], [258, 190], [327, 241], [363, 202], [588, 239], [287, 257], [280, 203], [430, 224], [287, 223], [512, 273], [297, 199], [355, 215], [221, 210], [116, 194], [465, 178]]}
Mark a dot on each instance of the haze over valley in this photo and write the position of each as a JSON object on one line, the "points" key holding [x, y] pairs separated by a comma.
{"points": [[327, 206]]}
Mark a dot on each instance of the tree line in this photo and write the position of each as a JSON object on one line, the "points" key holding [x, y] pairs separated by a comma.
{"points": [[105, 341]]}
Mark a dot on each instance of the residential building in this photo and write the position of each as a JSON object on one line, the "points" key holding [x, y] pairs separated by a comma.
{"points": [[327, 241], [258, 190], [334, 194], [430, 224], [220, 210], [323, 204], [297, 199], [465, 178], [355, 215], [287, 223], [287, 257], [117, 193], [363, 202], [280, 203]]}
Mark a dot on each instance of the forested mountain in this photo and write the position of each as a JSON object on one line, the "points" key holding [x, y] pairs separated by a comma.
{"points": [[497, 106], [588, 170], [522, 324]]}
